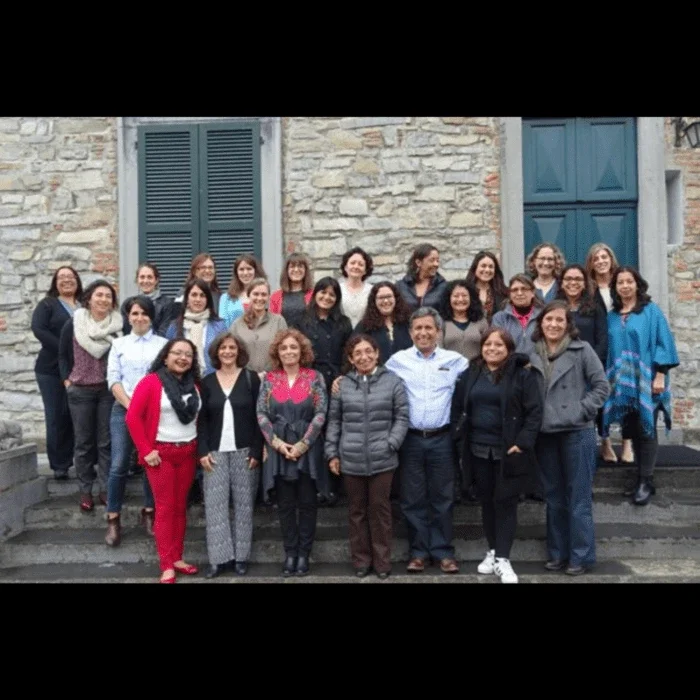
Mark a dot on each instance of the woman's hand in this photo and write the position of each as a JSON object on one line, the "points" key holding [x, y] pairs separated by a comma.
{"points": [[334, 466], [514, 450], [658, 386], [152, 459], [335, 387], [207, 463], [294, 452], [67, 383], [253, 463]]}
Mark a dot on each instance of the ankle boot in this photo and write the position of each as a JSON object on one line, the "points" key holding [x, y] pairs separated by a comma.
{"points": [[644, 492], [114, 532], [147, 519]]}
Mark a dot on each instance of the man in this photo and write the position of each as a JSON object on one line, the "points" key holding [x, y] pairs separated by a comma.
{"points": [[429, 374]]}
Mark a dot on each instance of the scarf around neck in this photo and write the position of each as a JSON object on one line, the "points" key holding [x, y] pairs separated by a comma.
{"points": [[175, 389], [153, 296], [195, 324], [96, 337], [549, 357]]}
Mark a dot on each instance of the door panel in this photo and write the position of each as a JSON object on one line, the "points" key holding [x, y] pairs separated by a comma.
{"points": [[615, 226], [553, 225]]}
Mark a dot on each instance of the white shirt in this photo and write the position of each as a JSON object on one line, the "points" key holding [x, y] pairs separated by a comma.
{"points": [[353, 304], [130, 359], [228, 434], [170, 429]]}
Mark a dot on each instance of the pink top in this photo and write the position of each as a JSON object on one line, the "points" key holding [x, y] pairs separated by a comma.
{"points": [[86, 369]]}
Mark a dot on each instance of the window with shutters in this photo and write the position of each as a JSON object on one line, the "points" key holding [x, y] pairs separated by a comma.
{"points": [[199, 191]]}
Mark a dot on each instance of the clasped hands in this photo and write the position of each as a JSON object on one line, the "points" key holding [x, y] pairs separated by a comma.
{"points": [[208, 463]]}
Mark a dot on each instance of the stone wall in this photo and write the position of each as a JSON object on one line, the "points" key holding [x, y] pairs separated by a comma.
{"points": [[58, 206], [389, 183]]}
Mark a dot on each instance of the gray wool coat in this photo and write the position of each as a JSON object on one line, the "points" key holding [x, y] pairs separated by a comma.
{"points": [[367, 423]]}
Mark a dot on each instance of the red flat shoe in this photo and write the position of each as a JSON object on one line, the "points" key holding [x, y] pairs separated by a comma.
{"points": [[86, 503], [172, 579], [188, 569]]}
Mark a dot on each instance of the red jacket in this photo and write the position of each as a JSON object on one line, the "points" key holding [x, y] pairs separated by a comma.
{"points": [[276, 300], [143, 414]]}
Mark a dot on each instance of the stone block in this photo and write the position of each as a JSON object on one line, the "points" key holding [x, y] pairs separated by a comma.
{"points": [[458, 178], [90, 180], [323, 224], [9, 125], [372, 223], [400, 165], [353, 207], [21, 254], [19, 401], [442, 194], [437, 163], [466, 219], [366, 122], [100, 235], [15, 501], [344, 140], [329, 180], [336, 163], [28, 126], [366, 166], [325, 248], [461, 140], [81, 125]]}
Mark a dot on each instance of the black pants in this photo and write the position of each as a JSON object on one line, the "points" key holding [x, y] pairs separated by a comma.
{"points": [[645, 447], [499, 518], [297, 497], [59, 424]]}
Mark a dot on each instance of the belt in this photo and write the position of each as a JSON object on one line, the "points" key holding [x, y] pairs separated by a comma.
{"points": [[429, 433], [176, 444]]}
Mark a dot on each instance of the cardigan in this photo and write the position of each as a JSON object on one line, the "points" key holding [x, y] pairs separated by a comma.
{"points": [[466, 342], [243, 399], [48, 320], [276, 299], [259, 339]]}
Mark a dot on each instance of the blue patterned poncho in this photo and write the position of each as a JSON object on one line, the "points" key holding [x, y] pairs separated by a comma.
{"points": [[636, 350]]}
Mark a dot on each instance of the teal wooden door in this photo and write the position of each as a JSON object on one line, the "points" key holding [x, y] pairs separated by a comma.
{"points": [[199, 191], [580, 185]]}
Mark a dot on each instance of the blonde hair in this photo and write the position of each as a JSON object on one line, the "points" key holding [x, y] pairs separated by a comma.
{"points": [[588, 265], [559, 260]]}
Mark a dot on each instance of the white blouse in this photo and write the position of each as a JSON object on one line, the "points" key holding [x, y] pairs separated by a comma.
{"points": [[353, 304], [170, 429], [228, 434]]}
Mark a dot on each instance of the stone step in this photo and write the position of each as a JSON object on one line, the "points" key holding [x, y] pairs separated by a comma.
{"points": [[666, 507], [610, 571], [86, 545]]}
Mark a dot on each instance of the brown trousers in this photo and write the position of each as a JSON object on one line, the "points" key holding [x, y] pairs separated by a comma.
{"points": [[369, 509]]}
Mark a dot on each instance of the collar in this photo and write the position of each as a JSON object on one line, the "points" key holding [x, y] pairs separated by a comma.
{"points": [[420, 355], [145, 337]]}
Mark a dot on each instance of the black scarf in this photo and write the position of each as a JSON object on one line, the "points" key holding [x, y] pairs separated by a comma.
{"points": [[175, 389]]}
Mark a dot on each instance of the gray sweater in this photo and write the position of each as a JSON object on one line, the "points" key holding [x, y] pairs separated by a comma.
{"points": [[367, 423]]}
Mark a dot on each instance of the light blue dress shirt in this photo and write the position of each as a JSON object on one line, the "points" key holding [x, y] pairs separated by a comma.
{"points": [[430, 383], [130, 359]]}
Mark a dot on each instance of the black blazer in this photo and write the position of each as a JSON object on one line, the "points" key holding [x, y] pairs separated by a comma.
{"points": [[243, 399], [328, 342], [402, 339], [164, 314], [593, 329], [48, 320], [521, 413]]}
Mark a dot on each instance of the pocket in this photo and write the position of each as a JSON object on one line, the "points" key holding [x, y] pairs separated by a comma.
{"points": [[516, 464]]}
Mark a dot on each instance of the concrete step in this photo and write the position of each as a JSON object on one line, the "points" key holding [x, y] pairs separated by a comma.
{"points": [[86, 545], [614, 571], [609, 507]]}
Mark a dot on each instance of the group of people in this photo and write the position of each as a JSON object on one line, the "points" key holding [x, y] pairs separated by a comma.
{"points": [[416, 390]]}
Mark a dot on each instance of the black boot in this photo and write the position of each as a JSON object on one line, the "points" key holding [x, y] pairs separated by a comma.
{"points": [[645, 490], [303, 565], [290, 566], [213, 571]]}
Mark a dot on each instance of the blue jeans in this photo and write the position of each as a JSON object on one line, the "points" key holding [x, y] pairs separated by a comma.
{"points": [[59, 425], [567, 463], [122, 446], [427, 494]]}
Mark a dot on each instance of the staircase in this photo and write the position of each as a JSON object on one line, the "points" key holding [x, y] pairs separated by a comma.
{"points": [[656, 543]]}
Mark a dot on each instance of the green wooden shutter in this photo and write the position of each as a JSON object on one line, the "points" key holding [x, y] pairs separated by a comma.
{"points": [[168, 200], [230, 214]]}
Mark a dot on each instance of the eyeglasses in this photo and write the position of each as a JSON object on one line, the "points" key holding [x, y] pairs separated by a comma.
{"points": [[520, 290], [545, 259], [579, 280], [206, 267], [296, 266], [386, 298], [65, 278], [181, 353]]}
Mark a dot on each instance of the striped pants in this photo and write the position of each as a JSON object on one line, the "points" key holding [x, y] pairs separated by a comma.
{"points": [[229, 539]]}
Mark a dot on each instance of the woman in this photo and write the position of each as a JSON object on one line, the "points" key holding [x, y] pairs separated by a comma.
{"points": [[496, 414], [600, 266], [423, 285], [367, 423], [129, 361], [258, 327], [641, 351], [229, 445], [520, 313], [162, 421], [589, 315], [386, 320], [291, 412], [544, 264], [49, 317], [198, 321], [82, 360], [296, 283], [486, 276], [356, 266], [202, 268], [148, 280], [575, 388], [235, 301], [464, 319]]}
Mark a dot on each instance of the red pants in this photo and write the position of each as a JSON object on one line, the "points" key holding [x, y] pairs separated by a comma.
{"points": [[170, 483]]}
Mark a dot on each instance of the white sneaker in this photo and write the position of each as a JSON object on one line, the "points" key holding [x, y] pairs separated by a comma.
{"points": [[486, 566], [504, 570]]}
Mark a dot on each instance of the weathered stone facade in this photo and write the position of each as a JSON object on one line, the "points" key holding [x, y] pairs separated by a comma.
{"points": [[385, 183]]}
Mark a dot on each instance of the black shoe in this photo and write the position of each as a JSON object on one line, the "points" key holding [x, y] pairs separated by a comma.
{"points": [[362, 571], [241, 568], [555, 565], [213, 571], [575, 570], [470, 495], [630, 489], [290, 566], [645, 490], [60, 475], [332, 499], [383, 575], [302, 566]]}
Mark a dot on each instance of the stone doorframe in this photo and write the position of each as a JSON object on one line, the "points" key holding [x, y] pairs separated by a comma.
{"points": [[652, 222], [127, 192]]}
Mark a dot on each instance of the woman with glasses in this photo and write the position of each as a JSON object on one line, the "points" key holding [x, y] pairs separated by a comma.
{"points": [[544, 264], [520, 313], [294, 294], [202, 268]]}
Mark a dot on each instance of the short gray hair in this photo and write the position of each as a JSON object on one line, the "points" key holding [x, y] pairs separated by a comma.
{"points": [[426, 311]]}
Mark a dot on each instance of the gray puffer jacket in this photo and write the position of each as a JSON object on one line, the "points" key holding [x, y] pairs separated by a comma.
{"points": [[367, 423]]}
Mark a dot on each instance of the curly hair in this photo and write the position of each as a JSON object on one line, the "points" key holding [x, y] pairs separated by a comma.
{"points": [[165, 351], [235, 288], [475, 311], [420, 252], [53, 287], [369, 265], [373, 319], [198, 260], [351, 344], [559, 260], [498, 284], [307, 283], [570, 329], [307, 353], [90, 290], [642, 286], [243, 357], [587, 302], [588, 265]]}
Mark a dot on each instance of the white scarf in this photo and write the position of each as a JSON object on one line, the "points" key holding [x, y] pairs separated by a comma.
{"points": [[194, 324], [94, 336]]}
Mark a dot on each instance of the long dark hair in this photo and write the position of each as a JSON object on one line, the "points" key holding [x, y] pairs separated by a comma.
{"points": [[571, 328], [53, 287], [498, 284], [475, 312], [204, 287], [308, 281], [312, 309], [587, 305], [642, 286], [373, 319], [196, 262], [508, 341], [160, 357], [420, 252]]}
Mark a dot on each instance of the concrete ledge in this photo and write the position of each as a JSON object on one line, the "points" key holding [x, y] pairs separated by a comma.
{"points": [[20, 487], [17, 466]]}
